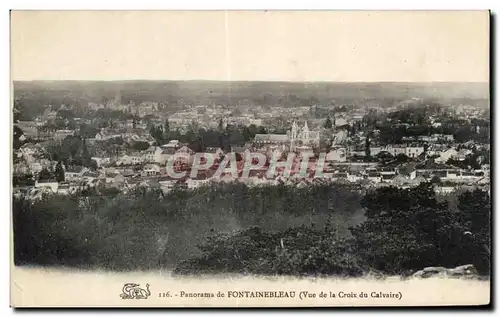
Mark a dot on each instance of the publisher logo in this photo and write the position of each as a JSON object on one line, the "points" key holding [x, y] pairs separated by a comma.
{"points": [[134, 291]]}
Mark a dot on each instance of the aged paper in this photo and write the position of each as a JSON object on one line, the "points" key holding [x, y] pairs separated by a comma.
{"points": [[250, 158]]}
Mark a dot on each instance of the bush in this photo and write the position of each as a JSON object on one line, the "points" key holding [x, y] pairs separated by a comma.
{"points": [[296, 251]]}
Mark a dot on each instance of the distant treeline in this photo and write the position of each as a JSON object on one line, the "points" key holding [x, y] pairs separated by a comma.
{"points": [[34, 95]]}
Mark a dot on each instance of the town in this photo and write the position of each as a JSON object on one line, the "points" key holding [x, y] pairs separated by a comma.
{"points": [[118, 144]]}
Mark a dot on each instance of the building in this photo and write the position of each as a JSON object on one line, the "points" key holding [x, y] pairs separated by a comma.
{"points": [[62, 134], [303, 136], [446, 155], [49, 185], [395, 150], [30, 128], [414, 151], [295, 137], [337, 154], [151, 170]]}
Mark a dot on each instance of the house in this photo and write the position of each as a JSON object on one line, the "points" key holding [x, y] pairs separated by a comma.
{"points": [[31, 153], [446, 155], [374, 176], [20, 169], [74, 173], [184, 154], [400, 180], [354, 177], [89, 176], [127, 172], [414, 151], [429, 169], [101, 161], [337, 154], [29, 127], [444, 137], [165, 155], [436, 149], [387, 174], [374, 151], [153, 154], [395, 150], [130, 160], [463, 153], [151, 170], [35, 167], [103, 136], [339, 137], [443, 190], [340, 175], [172, 144], [62, 134], [426, 138], [49, 185], [196, 182], [264, 139]]}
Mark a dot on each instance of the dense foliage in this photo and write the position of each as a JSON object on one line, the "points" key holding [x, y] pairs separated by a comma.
{"points": [[304, 250], [268, 230], [146, 229], [405, 230]]}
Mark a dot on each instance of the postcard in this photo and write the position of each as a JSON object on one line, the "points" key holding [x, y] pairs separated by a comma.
{"points": [[250, 159]]}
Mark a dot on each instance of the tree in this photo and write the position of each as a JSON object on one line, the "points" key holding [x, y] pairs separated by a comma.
{"points": [[328, 123], [157, 133], [17, 137], [410, 229], [59, 172], [402, 158], [367, 147], [93, 165], [140, 145], [198, 145], [85, 157], [166, 130], [221, 125], [166, 127], [88, 131], [384, 156], [44, 175], [475, 215]]}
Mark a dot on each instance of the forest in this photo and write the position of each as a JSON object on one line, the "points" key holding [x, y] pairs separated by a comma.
{"points": [[272, 230]]}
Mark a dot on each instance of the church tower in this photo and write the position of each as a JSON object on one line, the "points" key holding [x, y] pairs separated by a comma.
{"points": [[305, 132], [293, 135]]}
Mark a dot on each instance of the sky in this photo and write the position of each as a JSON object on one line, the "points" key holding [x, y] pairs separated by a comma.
{"points": [[349, 46]]}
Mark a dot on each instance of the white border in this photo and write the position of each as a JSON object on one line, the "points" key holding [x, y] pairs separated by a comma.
{"points": [[186, 5]]}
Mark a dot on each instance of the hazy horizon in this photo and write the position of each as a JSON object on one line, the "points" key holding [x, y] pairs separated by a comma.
{"points": [[283, 46]]}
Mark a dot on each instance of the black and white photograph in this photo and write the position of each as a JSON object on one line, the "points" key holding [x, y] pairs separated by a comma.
{"points": [[250, 158]]}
